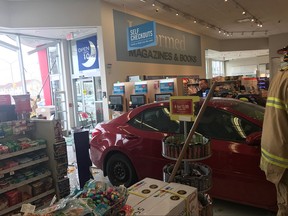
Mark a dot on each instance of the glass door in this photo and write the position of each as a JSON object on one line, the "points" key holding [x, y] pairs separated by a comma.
{"points": [[85, 99]]}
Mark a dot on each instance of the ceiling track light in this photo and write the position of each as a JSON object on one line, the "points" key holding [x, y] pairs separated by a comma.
{"points": [[245, 12], [187, 16]]}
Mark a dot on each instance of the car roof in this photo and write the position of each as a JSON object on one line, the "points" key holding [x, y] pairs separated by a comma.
{"points": [[216, 102]]}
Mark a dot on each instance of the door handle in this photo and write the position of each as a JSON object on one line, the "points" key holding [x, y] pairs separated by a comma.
{"points": [[131, 137]]}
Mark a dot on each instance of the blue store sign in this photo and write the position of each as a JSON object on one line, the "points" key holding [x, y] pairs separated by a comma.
{"points": [[141, 36], [87, 53]]}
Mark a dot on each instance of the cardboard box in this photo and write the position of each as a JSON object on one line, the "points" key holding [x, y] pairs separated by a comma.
{"points": [[143, 189], [174, 199]]}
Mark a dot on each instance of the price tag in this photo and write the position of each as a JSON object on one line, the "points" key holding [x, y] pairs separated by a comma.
{"points": [[12, 173]]}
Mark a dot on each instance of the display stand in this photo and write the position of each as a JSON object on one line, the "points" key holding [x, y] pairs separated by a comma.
{"points": [[81, 140], [185, 157]]}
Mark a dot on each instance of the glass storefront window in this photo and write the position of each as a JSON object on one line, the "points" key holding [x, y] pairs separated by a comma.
{"points": [[10, 82], [217, 68]]}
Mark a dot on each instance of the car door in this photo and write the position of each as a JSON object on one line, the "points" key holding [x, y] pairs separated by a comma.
{"points": [[234, 163], [148, 130]]}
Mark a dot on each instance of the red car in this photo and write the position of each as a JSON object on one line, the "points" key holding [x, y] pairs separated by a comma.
{"points": [[129, 148]]}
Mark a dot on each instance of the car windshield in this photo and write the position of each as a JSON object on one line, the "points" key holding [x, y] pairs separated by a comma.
{"points": [[251, 110]]}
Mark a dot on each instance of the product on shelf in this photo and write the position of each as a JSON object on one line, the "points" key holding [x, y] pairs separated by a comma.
{"points": [[14, 197], [205, 205], [199, 147], [199, 175], [3, 202], [27, 169]]}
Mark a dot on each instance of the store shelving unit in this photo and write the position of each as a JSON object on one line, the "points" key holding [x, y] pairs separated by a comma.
{"points": [[51, 130], [44, 161]]}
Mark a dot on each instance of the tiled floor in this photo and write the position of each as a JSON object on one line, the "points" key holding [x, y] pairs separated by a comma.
{"points": [[220, 207]]}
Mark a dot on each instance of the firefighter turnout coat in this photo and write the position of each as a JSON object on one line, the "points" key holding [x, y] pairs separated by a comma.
{"points": [[274, 141]]}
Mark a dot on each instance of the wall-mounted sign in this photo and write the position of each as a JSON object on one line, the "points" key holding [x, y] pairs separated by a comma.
{"points": [[173, 46], [141, 36], [119, 88], [182, 107], [166, 86], [87, 53], [140, 88]]}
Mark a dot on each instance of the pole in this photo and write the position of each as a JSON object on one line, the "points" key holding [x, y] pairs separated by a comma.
{"points": [[192, 131]]}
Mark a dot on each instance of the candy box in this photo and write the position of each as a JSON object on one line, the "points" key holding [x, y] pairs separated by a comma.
{"points": [[37, 188], [143, 189], [11, 163], [4, 183], [26, 191], [182, 201], [174, 199], [3, 203], [3, 149], [13, 196]]}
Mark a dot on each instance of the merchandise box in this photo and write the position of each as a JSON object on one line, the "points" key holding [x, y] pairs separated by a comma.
{"points": [[174, 199], [143, 189]]}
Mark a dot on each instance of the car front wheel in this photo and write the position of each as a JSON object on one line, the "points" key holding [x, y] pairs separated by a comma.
{"points": [[120, 171]]}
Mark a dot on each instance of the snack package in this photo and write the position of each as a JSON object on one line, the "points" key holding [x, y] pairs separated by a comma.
{"points": [[106, 198], [76, 207]]}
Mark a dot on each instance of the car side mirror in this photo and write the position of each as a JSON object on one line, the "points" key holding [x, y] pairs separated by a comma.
{"points": [[254, 139]]}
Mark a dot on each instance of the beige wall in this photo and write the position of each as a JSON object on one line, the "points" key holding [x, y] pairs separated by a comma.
{"points": [[121, 69], [60, 13], [3, 13], [244, 44]]}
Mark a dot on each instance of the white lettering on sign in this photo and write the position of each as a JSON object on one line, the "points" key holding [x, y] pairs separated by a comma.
{"points": [[135, 35]]}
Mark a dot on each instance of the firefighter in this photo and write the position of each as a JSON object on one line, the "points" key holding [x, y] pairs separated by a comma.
{"points": [[274, 142]]}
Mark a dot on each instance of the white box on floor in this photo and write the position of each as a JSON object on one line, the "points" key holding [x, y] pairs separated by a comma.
{"points": [[143, 189], [174, 199]]}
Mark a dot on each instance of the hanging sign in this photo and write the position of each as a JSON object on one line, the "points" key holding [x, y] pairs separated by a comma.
{"points": [[182, 107], [141, 36], [140, 88], [87, 53]]}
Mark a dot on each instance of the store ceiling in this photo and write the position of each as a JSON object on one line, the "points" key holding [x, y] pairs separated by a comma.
{"points": [[223, 15]]}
